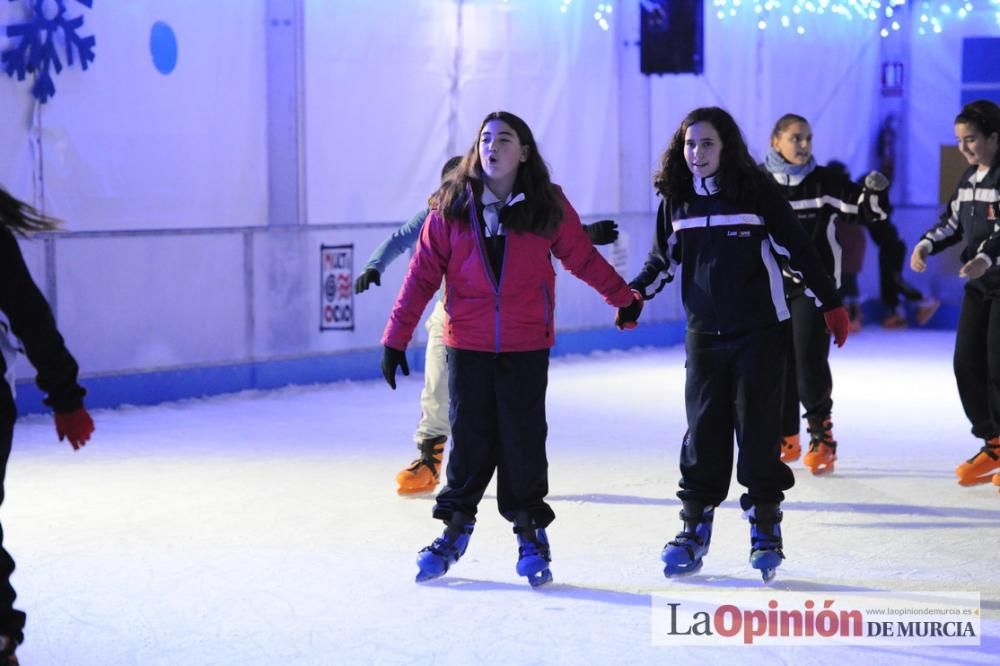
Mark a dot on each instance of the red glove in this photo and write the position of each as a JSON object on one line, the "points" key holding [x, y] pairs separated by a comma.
{"points": [[76, 426], [837, 323]]}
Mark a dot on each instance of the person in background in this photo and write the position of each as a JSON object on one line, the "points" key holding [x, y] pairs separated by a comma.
{"points": [[819, 195], [893, 289], [27, 326], [972, 219]]}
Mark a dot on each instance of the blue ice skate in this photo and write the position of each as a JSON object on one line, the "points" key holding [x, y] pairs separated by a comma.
{"points": [[765, 539], [533, 553], [435, 560], [683, 556]]}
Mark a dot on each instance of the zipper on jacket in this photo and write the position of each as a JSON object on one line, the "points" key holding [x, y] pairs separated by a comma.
{"points": [[479, 232], [548, 308], [503, 266]]}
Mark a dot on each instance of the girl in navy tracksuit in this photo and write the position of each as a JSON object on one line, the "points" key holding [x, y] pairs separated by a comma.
{"points": [[728, 230], [973, 218], [819, 195], [27, 325]]}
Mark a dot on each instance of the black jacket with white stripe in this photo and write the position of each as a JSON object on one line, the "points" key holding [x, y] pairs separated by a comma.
{"points": [[973, 216], [730, 257], [823, 196], [32, 322]]}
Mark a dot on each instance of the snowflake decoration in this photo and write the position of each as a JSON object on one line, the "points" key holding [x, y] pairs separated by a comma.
{"points": [[36, 51]]}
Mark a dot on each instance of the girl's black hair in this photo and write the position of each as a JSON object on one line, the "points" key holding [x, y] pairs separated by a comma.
{"points": [[21, 218], [738, 175], [984, 115], [540, 212]]}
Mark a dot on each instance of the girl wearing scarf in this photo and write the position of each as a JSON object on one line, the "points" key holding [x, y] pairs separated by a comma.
{"points": [[819, 195]]}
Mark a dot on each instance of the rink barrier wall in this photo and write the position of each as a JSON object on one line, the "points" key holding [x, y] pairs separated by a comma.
{"points": [[199, 312], [155, 387], [159, 386]]}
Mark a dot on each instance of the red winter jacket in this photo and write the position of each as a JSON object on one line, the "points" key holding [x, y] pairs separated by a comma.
{"points": [[511, 313]]}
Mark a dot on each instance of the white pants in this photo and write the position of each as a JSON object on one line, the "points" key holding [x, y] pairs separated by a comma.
{"points": [[434, 396]]}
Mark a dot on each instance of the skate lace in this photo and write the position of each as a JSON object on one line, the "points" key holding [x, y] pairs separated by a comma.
{"points": [[429, 463], [816, 443], [988, 449], [531, 547], [685, 537], [444, 545], [822, 434], [431, 455], [765, 539]]}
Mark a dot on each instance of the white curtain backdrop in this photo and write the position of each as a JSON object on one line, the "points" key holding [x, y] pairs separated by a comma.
{"points": [[126, 147], [394, 88], [935, 92], [829, 76]]}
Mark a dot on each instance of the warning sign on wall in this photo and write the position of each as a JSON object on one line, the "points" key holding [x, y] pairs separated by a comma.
{"points": [[336, 294]]}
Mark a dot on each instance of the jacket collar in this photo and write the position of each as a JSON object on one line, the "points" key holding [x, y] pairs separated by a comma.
{"points": [[704, 187]]}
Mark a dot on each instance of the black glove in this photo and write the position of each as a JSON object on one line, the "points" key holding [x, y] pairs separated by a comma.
{"points": [[602, 232], [392, 359], [628, 316], [367, 279]]}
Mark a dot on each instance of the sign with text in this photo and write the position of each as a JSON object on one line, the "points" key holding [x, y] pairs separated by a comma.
{"points": [[824, 617], [336, 293]]}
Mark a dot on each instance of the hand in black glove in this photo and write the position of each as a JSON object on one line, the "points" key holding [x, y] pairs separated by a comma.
{"points": [[367, 279], [602, 232], [628, 316], [392, 359]]}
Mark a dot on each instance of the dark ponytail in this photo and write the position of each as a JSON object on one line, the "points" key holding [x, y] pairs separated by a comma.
{"points": [[21, 218]]}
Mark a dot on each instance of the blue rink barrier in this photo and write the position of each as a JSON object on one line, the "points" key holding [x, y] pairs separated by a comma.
{"points": [[155, 387]]}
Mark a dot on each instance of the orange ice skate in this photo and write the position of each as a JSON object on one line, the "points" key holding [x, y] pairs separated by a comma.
{"points": [[980, 467], [423, 473], [790, 448], [822, 447]]}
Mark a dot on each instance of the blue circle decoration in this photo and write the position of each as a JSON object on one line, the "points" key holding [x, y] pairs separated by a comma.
{"points": [[163, 47]]}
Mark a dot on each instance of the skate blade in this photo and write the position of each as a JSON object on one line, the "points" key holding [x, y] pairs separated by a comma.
{"points": [[543, 577], [766, 563], [418, 492], [680, 572], [976, 481], [430, 568], [822, 470], [531, 565]]}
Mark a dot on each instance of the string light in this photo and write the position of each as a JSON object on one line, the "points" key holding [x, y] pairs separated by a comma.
{"points": [[931, 15], [602, 12]]}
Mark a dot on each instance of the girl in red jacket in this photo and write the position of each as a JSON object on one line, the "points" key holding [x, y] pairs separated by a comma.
{"points": [[27, 325], [495, 223]]}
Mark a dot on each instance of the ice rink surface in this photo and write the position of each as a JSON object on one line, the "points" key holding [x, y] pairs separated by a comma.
{"points": [[264, 528]]}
